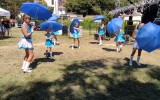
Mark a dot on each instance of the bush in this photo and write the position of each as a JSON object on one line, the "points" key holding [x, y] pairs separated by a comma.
{"points": [[65, 22], [88, 24]]}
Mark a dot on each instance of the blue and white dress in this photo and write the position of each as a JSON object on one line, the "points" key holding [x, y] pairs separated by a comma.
{"points": [[26, 42], [48, 42], [55, 33], [101, 31], [135, 44], [75, 34], [119, 37]]}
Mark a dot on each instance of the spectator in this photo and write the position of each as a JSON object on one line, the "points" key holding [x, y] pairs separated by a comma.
{"points": [[6, 25], [1, 30]]}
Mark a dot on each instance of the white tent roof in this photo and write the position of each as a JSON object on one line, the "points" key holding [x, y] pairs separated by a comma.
{"points": [[4, 12]]}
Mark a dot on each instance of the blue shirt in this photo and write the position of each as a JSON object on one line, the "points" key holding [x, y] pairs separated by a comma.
{"points": [[28, 31]]}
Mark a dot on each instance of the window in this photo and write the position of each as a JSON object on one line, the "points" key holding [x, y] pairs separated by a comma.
{"points": [[52, 2], [60, 2]]}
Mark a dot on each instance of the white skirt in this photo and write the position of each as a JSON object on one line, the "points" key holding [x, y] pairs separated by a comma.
{"points": [[135, 45], [25, 44]]}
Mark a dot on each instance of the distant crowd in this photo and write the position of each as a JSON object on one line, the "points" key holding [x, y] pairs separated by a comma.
{"points": [[5, 26]]}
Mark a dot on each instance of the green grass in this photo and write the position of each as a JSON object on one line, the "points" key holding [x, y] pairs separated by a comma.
{"points": [[90, 73]]}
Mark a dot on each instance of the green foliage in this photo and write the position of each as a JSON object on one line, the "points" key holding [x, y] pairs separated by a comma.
{"points": [[65, 22], [88, 24], [13, 5], [93, 7]]}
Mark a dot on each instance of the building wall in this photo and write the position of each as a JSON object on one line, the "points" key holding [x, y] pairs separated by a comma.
{"points": [[50, 3], [56, 4]]}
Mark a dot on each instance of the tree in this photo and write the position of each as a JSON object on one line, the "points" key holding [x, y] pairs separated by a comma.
{"points": [[13, 5], [93, 7]]}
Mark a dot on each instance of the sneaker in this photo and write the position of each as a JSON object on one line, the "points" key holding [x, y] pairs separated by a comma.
{"points": [[50, 57], [117, 50], [27, 71], [130, 63], [99, 44], [73, 47], [120, 49], [138, 63], [57, 43], [79, 47]]}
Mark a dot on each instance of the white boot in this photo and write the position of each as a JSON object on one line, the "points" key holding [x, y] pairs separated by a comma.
{"points": [[117, 48], [121, 47], [24, 63], [54, 42], [26, 68], [72, 46], [51, 54], [138, 58], [130, 62], [100, 42], [57, 43]]}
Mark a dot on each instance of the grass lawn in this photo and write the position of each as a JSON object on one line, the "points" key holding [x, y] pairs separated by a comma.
{"points": [[90, 73]]}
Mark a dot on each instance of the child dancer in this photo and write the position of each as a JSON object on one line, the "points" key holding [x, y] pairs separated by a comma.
{"points": [[101, 32], [55, 37], [76, 35], [135, 47], [119, 40], [26, 43], [48, 43]]}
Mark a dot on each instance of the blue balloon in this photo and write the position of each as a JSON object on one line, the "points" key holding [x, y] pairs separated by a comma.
{"points": [[55, 26], [76, 20], [35, 10], [98, 17], [148, 37], [114, 25]]}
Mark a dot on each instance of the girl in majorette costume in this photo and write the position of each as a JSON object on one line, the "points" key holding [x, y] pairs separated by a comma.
{"points": [[48, 43], [119, 40], [55, 37], [26, 43], [76, 35], [101, 32], [135, 47]]}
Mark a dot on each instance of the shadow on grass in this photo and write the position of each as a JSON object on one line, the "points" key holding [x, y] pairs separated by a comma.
{"points": [[134, 64], [85, 83], [155, 73], [109, 49], [38, 61], [87, 80], [37, 91], [57, 53], [93, 42], [6, 37]]}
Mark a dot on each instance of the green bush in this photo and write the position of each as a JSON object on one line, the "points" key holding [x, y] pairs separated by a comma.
{"points": [[65, 22], [88, 24]]}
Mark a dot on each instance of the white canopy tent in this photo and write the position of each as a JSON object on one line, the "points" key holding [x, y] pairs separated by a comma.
{"points": [[4, 12]]}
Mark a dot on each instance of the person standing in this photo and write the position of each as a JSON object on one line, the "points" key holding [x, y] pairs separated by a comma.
{"points": [[48, 43], [76, 35], [6, 25], [1, 30], [101, 32], [26, 43], [135, 47], [55, 37], [119, 40]]}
